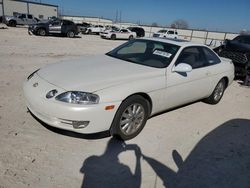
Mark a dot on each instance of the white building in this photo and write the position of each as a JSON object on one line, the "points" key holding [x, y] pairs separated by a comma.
{"points": [[39, 10]]}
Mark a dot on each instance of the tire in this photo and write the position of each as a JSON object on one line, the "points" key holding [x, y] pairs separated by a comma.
{"points": [[130, 118], [70, 34], [113, 37], [12, 23], [130, 37], [41, 32], [217, 94]]}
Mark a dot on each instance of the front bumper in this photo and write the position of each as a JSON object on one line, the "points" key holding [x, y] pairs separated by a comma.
{"points": [[94, 118], [105, 35]]}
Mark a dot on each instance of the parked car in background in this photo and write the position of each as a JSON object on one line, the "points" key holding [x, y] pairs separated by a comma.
{"points": [[120, 34], [140, 32], [111, 28], [238, 50], [54, 27], [166, 33], [97, 29], [126, 86], [82, 27], [107, 30], [20, 19]]}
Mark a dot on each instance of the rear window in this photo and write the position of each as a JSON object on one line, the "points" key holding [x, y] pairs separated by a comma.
{"points": [[210, 56], [243, 39]]}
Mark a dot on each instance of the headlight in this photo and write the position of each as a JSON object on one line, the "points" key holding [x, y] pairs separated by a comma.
{"points": [[78, 97]]}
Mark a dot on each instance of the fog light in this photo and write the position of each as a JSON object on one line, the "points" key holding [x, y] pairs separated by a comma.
{"points": [[51, 93], [80, 124]]}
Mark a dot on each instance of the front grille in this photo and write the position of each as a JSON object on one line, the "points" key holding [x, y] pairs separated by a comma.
{"points": [[236, 57]]}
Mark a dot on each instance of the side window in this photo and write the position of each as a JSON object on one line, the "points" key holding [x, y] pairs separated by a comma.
{"points": [[192, 56], [22, 16], [30, 16], [210, 56], [56, 23], [123, 31], [170, 32]]}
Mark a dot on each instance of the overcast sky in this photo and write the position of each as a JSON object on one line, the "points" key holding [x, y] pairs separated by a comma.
{"points": [[219, 15]]}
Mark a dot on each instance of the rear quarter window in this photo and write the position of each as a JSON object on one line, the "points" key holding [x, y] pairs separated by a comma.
{"points": [[210, 56]]}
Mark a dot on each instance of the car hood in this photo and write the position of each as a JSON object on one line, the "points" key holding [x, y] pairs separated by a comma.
{"points": [[95, 73]]}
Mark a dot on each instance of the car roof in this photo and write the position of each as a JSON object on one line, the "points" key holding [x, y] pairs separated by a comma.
{"points": [[178, 42]]}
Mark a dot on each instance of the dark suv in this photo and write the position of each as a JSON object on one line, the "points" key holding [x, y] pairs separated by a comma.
{"points": [[238, 50], [55, 26], [140, 32]]}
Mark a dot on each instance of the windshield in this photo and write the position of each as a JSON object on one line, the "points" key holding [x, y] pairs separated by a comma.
{"points": [[243, 39], [146, 52], [162, 31]]}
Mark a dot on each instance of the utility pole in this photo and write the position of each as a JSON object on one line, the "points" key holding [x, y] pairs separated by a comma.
{"points": [[116, 16], [120, 16]]}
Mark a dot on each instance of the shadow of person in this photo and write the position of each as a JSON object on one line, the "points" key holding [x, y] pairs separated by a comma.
{"points": [[107, 171], [221, 159]]}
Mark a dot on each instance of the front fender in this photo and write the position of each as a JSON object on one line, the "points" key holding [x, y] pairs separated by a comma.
{"points": [[120, 92]]}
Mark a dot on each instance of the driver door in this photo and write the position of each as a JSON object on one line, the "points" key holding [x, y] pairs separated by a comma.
{"points": [[55, 27], [183, 88]]}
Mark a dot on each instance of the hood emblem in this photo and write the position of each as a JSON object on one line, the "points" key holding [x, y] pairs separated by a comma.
{"points": [[35, 84]]}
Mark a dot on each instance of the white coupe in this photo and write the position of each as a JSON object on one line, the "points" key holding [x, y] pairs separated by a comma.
{"points": [[118, 34], [120, 90]]}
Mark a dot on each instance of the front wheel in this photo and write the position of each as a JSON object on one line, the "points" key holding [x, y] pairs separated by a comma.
{"points": [[113, 37], [130, 37], [41, 32], [12, 23], [217, 94], [70, 34], [130, 118]]}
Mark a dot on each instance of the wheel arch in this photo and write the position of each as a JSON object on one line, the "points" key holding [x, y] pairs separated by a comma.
{"points": [[44, 28], [146, 97], [12, 20], [226, 80]]}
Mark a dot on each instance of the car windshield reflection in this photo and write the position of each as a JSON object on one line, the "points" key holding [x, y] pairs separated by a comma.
{"points": [[146, 52]]}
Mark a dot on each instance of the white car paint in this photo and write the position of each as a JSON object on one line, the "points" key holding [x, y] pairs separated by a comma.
{"points": [[113, 80], [166, 33], [95, 29], [121, 34]]}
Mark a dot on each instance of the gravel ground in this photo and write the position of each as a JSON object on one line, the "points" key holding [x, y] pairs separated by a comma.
{"points": [[198, 145]]}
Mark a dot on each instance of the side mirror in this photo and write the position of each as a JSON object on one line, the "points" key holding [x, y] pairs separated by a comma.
{"points": [[182, 67]]}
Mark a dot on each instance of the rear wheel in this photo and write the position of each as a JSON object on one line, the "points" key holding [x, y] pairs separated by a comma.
{"points": [[113, 37], [70, 34], [217, 94], [41, 32], [89, 31], [130, 118]]}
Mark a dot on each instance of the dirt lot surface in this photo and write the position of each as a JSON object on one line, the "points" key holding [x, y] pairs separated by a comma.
{"points": [[198, 145]]}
